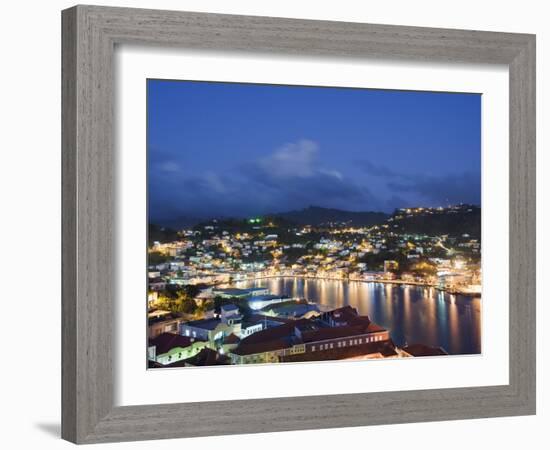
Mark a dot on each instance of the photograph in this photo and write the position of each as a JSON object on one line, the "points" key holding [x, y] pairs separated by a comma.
{"points": [[299, 224], [270, 224]]}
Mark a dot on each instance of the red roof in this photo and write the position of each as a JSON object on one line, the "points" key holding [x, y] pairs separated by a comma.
{"points": [[348, 316], [207, 357], [424, 350], [262, 347], [386, 348], [269, 334], [374, 328], [307, 331], [324, 334], [167, 341], [231, 339]]}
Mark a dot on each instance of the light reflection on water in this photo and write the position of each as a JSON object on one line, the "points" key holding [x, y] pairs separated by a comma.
{"points": [[413, 314]]}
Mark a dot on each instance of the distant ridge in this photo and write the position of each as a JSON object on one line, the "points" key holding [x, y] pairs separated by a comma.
{"points": [[180, 222], [457, 220], [317, 215], [312, 215], [454, 221]]}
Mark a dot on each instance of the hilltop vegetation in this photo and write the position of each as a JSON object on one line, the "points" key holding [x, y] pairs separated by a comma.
{"points": [[315, 215], [459, 220]]}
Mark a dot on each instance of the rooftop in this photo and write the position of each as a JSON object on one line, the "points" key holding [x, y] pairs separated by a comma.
{"points": [[205, 324], [291, 308], [347, 316], [207, 357], [164, 342], [423, 350], [328, 333], [262, 347], [231, 291], [294, 332], [164, 318], [265, 297], [229, 307], [386, 348], [231, 339]]}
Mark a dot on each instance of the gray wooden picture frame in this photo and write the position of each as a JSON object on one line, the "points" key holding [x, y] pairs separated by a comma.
{"points": [[90, 34]]}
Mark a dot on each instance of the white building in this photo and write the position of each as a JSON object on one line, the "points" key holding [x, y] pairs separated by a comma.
{"points": [[261, 301]]}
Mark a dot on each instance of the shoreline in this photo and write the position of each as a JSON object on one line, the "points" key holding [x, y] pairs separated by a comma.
{"points": [[397, 282]]}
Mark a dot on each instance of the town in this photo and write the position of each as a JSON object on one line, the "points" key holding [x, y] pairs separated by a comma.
{"points": [[198, 317]]}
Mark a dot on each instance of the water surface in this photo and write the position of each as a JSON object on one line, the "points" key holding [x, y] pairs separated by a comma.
{"points": [[413, 314]]}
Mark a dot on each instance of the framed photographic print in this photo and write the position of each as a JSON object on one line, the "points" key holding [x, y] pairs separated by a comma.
{"points": [[331, 248], [282, 217]]}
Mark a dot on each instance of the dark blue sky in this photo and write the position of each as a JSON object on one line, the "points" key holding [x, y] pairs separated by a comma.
{"points": [[223, 149]]}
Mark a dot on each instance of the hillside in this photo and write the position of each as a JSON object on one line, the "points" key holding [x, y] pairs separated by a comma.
{"points": [[157, 233], [315, 215], [463, 219]]}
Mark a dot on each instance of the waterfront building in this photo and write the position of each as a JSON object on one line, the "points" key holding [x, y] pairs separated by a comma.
{"points": [[373, 275], [239, 293], [373, 350], [340, 328], [390, 266], [292, 309]]}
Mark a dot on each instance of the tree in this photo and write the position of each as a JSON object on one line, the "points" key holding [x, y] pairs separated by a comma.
{"points": [[192, 290], [155, 258], [424, 269], [188, 305]]}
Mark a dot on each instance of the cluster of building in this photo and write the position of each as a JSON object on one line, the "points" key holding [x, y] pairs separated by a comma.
{"points": [[257, 326], [282, 330], [215, 253]]}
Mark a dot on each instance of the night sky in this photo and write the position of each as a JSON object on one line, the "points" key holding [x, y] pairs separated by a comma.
{"points": [[240, 150]]}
